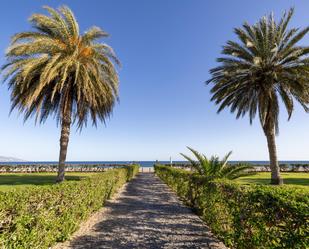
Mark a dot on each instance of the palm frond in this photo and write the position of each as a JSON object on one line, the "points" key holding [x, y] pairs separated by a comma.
{"points": [[194, 164], [215, 168], [264, 67], [53, 66]]}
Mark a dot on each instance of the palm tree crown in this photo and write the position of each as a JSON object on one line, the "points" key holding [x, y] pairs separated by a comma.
{"points": [[56, 70], [264, 66], [215, 168]]}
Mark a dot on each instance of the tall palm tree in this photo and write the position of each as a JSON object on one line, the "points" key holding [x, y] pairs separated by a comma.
{"points": [[55, 70], [264, 66], [214, 168]]}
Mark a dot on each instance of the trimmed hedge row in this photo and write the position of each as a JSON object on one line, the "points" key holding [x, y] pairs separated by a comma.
{"points": [[40, 216], [255, 216], [31, 168], [294, 167]]}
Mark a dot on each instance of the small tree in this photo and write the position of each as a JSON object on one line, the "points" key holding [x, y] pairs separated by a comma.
{"points": [[215, 168]]}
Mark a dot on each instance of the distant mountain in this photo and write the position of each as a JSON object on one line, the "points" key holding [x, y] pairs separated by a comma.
{"points": [[10, 159]]}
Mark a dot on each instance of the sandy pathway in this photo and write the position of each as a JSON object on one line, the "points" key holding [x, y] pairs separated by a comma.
{"points": [[146, 214]]}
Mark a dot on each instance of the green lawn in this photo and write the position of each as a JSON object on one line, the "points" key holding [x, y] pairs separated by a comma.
{"points": [[300, 179], [9, 181]]}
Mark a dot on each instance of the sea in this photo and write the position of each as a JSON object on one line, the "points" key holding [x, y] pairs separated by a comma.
{"points": [[141, 163]]}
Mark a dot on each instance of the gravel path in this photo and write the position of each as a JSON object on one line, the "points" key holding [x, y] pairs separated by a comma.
{"points": [[146, 214]]}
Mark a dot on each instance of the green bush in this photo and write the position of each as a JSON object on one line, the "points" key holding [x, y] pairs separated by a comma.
{"points": [[255, 216], [37, 217]]}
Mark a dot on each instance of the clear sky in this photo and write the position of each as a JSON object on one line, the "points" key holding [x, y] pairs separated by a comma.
{"points": [[166, 48]]}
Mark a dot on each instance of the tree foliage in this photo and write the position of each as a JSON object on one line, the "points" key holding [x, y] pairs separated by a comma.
{"points": [[214, 168], [265, 65], [54, 67]]}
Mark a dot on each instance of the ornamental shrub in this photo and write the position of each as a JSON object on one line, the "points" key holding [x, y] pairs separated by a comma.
{"points": [[40, 216], [254, 216]]}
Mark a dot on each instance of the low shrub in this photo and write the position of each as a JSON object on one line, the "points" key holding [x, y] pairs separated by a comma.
{"points": [[31, 168], [284, 167], [255, 216], [39, 216]]}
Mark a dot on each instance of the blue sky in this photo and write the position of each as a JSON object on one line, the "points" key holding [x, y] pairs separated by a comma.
{"points": [[166, 48]]}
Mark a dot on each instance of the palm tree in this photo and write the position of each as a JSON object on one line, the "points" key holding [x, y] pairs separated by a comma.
{"points": [[55, 70], [266, 65], [214, 168]]}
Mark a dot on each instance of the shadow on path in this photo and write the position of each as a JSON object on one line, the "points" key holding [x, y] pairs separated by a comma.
{"points": [[147, 215]]}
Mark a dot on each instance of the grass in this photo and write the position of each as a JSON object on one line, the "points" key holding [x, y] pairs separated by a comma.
{"points": [[10, 181], [291, 178]]}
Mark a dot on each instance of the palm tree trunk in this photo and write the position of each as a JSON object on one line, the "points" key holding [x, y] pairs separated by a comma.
{"points": [[64, 140], [274, 166]]}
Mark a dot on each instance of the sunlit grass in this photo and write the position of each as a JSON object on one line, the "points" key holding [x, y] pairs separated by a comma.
{"points": [[9, 181], [299, 179]]}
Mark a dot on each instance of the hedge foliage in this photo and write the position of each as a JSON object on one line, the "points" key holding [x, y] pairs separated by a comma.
{"points": [[284, 167], [255, 216], [39, 216], [31, 168]]}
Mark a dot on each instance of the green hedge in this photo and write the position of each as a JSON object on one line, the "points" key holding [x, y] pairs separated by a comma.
{"points": [[38, 217], [255, 216], [33, 168]]}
